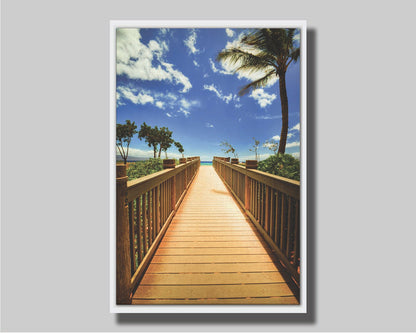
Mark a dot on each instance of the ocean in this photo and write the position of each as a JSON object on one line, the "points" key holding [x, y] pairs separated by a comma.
{"points": [[206, 162]]}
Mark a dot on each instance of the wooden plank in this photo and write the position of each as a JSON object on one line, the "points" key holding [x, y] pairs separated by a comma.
{"points": [[209, 238], [219, 268], [208, 259], [276, 250], [203, 227], [190, 225], [212, 253], [209, 233], [224, 244], [208, 219], [211, 250], [149, 255], [285, 300], [213, 291], [206, 278], [219, 215]]}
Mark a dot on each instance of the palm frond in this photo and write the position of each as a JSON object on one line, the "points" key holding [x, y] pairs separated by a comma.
{"points": [[245, 61], [295, 54], [262, 82]]}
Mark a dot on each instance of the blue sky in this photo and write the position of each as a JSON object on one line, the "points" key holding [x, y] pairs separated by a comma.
{"points": [[169, 77]]}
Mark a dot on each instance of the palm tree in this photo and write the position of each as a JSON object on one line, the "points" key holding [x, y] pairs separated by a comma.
{"points": [[268, 51]]}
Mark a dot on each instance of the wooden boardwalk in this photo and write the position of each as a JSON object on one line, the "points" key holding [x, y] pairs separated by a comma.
{"points": [[211, 254]]}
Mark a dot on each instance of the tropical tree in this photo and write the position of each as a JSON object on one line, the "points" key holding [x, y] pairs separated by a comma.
{"points": [[269, 52], [271, 144], [255, 148], [180, 147], [165, 140], [151, 136], [124, 134], [228, 148], [283, 165]]}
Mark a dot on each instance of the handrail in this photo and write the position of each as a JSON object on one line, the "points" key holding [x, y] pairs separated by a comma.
{"points": [[145, 208], [273, 205]]}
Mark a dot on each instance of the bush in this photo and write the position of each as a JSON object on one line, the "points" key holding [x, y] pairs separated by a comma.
{"points": [[283, 165], [144, 168]]}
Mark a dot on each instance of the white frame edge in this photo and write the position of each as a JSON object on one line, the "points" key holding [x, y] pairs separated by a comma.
{"points": [[302, 307]]}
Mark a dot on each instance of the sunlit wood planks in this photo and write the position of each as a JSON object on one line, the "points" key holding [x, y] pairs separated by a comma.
{"points": [[211, 254]]}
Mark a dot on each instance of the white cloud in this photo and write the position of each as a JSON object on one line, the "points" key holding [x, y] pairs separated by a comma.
{"points": [[191, 41], [209, 125], [268, 117], [226, 98], [276, 137], [185, 112], [216, 70], [295, 128], [262, 97], [133, 96], [177, 105], [134, 152], [185, 103], [213, 88], [139, 61], [229, 32], [178, 77], [164, 31], [168, 114], [293, 144], [196, 64], [160, 105], [163, 101]]}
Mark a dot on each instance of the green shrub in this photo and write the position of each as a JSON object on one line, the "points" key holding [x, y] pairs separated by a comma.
{"points": [[283, 165], [144, 168]]}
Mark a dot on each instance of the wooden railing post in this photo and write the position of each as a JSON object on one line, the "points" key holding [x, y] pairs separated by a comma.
{"points": [[250, 164], [182, 160], [247, 192], [170, 164], [123, 264]]}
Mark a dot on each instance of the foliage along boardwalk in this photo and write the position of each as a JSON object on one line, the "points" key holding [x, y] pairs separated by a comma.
{"points": [[211, 254]]}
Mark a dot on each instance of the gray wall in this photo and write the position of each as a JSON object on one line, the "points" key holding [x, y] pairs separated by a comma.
{"points": [[54, 136]]}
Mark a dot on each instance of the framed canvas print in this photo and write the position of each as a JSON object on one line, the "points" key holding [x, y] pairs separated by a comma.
{"points": [[208, 166]]}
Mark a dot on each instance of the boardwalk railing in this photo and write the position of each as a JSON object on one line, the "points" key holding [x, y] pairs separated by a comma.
{"points": [[272, 204], [145, 207]]}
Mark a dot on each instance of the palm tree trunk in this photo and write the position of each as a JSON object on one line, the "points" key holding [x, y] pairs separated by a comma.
{"points": [[285, 112]]}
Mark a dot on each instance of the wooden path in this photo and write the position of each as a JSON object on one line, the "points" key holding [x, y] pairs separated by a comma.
{"points": [[211, 254]]}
